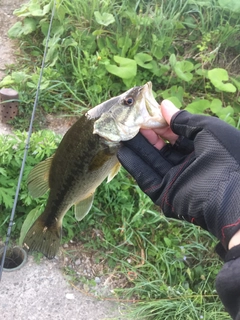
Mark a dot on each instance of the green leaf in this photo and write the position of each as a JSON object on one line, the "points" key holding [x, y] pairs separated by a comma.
{"points": [[232, 5], [143, 60], [167, 241], [198, 106], [236, 82], [31, 8], [175, 101], [104, 19], [19, 28], [216, 106], [16, 30], [174, 91], [227, 111], [217, 76], [127, 68], [6, 81], [172, 60], [223, 113], [6, 196], [183, 70], [29, 25]]}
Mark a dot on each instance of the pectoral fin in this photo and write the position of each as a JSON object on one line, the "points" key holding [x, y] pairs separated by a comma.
{"points": [[83, 207], [38, 178], [114, 171], [99, 160]]}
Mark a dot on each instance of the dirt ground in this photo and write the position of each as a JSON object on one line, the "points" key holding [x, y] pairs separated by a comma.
{"points": [[42, 290]]}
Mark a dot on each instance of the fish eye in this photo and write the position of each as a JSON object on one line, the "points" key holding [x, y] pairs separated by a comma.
{"points": [[129, 101]]}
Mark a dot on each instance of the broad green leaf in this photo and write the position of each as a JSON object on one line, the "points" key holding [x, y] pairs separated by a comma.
{"points": [[167, 241], [217, 76], [216, 106], [198, 106], [236, 82], [127, 68], [19, 28], [28, 222], [6, 81], [30, 9], [47, 8], [227, 115], [174, 91], [144, 60], [202, 72], [29, 25], [224, 113], [175, 101], [6, 196], [104, 19], [19, 77], [227, 111], [16, 30], [172, 60], [232, 5], [35, 9], [228, 119], [44, 85], [183, 70], [22, 11]]}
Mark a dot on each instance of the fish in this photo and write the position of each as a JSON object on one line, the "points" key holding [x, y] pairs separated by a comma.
{"points": [[85, 157]]}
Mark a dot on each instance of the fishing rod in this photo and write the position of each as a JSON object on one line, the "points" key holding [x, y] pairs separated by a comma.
{"points": [[11, 222]]}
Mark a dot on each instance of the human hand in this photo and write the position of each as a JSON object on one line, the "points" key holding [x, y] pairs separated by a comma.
{"points": [[158, 136], [195, 177]]}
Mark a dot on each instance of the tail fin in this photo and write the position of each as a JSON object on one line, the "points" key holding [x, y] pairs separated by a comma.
{"points": [[43, 238]]}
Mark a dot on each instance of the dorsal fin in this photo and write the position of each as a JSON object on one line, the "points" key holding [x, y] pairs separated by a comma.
{"points": [[38, 178]]}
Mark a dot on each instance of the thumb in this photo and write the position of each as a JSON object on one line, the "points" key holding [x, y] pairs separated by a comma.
{"points": [[168, 110]]}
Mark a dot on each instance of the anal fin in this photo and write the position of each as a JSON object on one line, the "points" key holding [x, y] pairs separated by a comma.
{"points": [[83, 207]]}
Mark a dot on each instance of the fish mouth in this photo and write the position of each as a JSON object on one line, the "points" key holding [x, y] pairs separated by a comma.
{"points": [[152, 114], [151, 104]]}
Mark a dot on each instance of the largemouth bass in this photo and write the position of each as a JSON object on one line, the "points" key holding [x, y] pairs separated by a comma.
{"points": [[84, 158]]}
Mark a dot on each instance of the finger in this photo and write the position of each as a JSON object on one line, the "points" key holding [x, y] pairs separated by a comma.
{"points": [[153, 138], [168, 135], [144, 174], [168, 110], [191, 125], [139, 148]]}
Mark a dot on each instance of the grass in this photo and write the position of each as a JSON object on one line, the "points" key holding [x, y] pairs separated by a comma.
{"points": [[170, 265]]}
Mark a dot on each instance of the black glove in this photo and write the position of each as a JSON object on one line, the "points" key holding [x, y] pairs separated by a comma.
{"points": [[228, 282], [197, 180]]}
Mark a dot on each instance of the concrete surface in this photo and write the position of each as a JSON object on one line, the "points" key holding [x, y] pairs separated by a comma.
{"points": [[40, 292]]}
